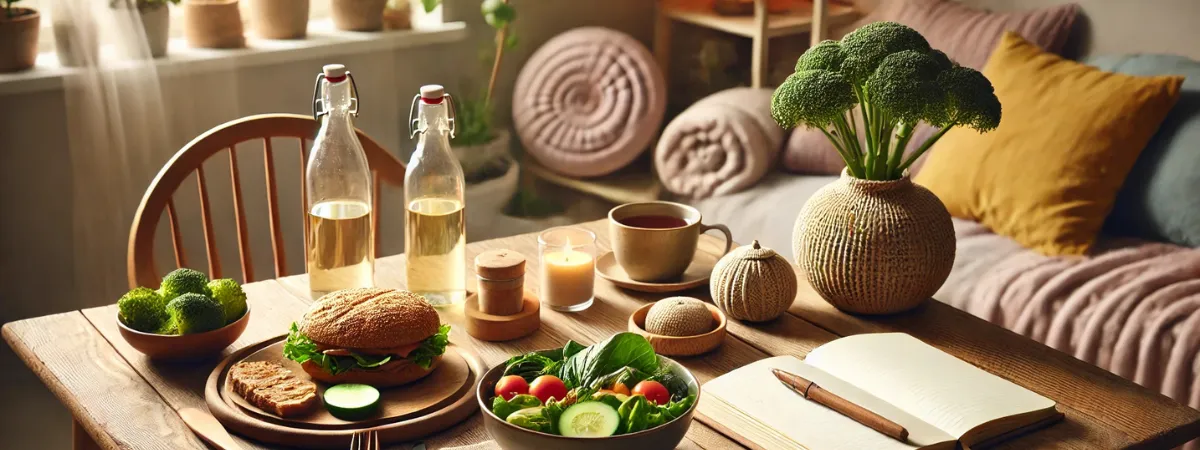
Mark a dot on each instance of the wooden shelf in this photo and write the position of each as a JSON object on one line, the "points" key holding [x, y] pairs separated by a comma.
{"points": [[636, 183], [797, 21]]}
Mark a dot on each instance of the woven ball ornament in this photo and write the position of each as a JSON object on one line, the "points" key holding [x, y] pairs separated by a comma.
{"points": [[753, 283], [588, 102]]}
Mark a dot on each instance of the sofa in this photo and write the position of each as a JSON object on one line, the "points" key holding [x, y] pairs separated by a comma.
{"points": [[1132, 305]]}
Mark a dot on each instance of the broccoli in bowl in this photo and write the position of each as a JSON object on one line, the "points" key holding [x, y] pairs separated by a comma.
{"points": [[187, 302]]}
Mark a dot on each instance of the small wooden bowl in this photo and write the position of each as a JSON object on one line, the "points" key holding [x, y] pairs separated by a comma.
{"points": [[680, 345], [165, 347]]}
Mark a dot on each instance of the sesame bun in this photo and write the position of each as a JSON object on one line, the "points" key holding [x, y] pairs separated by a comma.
{"points": [[365, 318], [393, 373]]}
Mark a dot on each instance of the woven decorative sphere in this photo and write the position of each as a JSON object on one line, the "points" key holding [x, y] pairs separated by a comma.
{"points": [[874, 247], [753, 283], [679, 316], [588, 102]]}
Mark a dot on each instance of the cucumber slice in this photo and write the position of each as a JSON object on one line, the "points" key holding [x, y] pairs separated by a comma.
{"points": [[351, 401], [589, 419]]}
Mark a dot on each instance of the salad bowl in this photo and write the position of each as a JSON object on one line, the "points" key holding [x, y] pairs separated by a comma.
{"points": [[513, 437]]}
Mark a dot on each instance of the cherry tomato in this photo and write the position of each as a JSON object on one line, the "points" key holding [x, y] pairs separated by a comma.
{"points": [[547, 386], [654, 391], [511, 386], [620, 388]]}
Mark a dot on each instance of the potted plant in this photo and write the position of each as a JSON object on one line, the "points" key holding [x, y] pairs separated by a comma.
{"points": [[18, 37], [279, 19], [873, 242], [483, 150], [358, 15], [156, 21], [213, 24]]}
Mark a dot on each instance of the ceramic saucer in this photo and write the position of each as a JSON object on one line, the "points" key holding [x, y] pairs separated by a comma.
{"points": [[695, 276]]}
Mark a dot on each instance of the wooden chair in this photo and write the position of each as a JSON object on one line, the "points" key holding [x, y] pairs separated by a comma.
{"points": [[189, 159]]}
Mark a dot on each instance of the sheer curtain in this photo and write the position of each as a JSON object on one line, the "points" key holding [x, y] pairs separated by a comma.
{"points": [[121, 129]]}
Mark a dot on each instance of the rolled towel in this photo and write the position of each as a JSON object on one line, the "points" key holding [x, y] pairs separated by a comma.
{"points": [[588, 102], [722, 144]]}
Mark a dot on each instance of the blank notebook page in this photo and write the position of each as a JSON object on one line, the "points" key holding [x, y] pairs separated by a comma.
{"points": [[940, 389], [755, 392]]}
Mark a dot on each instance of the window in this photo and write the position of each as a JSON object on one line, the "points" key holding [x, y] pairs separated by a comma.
{"points": [[318, 10]]}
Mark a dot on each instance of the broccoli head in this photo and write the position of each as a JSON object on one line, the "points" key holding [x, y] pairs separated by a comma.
{"points": [[906, 85], [142, 309], [184, 281], [866, 47], [811, 97], [231, 297], [970, 100], [825, 56], [195, 313]]}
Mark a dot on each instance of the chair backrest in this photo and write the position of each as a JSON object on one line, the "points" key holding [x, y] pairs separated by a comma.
{"points": [[190, 159]]}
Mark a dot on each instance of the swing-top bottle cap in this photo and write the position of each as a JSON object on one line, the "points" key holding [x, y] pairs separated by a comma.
{"points": [[432, 93], [334, 72]]}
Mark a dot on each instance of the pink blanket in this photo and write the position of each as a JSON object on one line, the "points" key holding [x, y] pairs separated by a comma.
{"points": [[722, 144], [1132, 308]]}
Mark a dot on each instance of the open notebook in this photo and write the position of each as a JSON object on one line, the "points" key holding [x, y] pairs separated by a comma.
{"points": [[938, 398]]}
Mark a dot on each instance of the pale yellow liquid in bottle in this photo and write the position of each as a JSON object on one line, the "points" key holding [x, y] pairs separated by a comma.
{"points": [[436, 250], [340, 256]]}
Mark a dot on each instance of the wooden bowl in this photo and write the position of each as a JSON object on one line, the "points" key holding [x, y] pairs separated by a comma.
{"points": [[167, 347], [680, 345], [512, 437]]}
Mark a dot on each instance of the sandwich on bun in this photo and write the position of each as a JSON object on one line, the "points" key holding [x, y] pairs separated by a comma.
{"points": [[381, 337]]}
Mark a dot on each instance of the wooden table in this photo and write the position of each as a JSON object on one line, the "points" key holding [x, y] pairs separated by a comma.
{"points": [[124, 401]]}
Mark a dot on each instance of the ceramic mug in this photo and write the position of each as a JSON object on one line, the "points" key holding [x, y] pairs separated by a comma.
{"points": [[655, 241]]}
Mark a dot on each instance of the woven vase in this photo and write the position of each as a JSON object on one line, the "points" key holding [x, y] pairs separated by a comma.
{"points": [[874, 247]]}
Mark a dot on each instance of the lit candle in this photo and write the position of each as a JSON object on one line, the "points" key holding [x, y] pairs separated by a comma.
{"points": [[568, 271]]}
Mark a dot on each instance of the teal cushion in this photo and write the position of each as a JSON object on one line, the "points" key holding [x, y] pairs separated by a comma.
{"points": [[1160, 199]]}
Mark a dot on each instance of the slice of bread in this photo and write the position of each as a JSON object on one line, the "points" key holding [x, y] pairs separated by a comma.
{"points": [[273, 388]]}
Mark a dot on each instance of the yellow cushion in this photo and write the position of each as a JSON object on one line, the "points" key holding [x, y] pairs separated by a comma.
{"points": [[1069, 134]]}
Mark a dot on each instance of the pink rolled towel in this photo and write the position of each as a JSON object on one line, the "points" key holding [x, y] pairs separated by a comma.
{"points": [[588, 102], [722, 144]]}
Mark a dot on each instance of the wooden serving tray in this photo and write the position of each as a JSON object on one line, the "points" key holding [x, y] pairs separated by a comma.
{"points": [[440, 400]]}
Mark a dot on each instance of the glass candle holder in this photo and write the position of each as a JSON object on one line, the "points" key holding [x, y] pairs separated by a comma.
{"points": [[568, 268]]}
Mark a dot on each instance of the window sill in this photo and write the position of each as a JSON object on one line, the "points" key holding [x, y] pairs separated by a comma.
{"points": [[323, 41]]}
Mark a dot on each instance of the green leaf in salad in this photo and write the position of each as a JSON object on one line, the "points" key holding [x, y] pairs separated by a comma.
{"points": [[591, 364], [533, 419], [531, 366], [503, 408], [572, 348], [639, 414]]}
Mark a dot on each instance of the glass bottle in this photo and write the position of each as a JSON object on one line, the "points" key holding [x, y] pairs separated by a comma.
{"points": [[435, 223], [338, 182]]}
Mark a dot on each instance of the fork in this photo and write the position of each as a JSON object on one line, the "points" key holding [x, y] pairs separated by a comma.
{"points": [[365, 440]]}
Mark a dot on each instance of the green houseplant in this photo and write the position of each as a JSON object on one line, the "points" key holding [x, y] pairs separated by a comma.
{"points": [[873, 242], [898, 81], [18, 37]]}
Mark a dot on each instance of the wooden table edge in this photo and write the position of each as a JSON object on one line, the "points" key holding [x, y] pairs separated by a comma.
{"points": [[86, 432]]}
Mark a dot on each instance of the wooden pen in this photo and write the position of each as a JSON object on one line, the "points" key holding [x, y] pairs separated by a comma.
{"points": [[812, 391]]}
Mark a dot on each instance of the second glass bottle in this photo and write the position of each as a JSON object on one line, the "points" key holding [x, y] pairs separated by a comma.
{"points": [[435, 222]]}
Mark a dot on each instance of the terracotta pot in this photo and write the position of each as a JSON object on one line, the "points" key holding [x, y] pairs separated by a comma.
{"points": [[279, 19], [399, 18], [156, 20], [874, 247], [19, 40], [213, 24], [358, 15], [76, 42]]}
